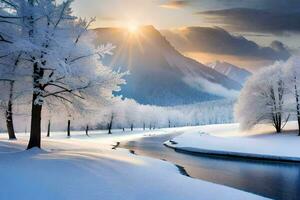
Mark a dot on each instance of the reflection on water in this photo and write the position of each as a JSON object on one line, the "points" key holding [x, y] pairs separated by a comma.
{"points": [[270, 179]]}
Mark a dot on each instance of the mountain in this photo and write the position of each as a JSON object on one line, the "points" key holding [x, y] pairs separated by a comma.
{"points": [[159, 74], [233, 72]]}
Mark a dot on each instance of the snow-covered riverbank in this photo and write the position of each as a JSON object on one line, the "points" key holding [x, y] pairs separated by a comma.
{"points": [[84, 167], [228, 140]]}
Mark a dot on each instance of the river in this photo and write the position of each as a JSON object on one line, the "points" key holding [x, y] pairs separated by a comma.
{"points": [[276, 180]]}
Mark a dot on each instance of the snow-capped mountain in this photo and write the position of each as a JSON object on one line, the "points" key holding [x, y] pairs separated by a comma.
{"points": [[233, 72], [159, 74]]}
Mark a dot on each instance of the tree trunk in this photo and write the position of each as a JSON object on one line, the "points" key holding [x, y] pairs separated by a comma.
{"points": [[297, 105], [110, 124], [48, 129], [277, 122], [298, 119], [9, 114], [35, 130], [36, 108], [87, 130], [109, 128], [68, 128], [9, 111], [131, 127], [278, 128]]}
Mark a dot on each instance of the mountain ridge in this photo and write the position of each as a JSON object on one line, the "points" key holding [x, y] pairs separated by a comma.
{"points": [[232, 71], [159, 74]]}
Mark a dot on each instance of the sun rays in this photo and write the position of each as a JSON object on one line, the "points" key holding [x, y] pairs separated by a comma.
{"points": [[132, 27]]}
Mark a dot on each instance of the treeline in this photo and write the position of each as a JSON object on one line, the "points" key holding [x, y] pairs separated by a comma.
{"points": [[129, 115]]}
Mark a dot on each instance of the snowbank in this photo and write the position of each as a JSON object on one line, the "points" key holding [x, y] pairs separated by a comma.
{"points": [[228, 140], [84, 167]]}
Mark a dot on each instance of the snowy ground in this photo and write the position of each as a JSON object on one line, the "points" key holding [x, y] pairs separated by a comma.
{"points": [[84, 167], [227, 139]]}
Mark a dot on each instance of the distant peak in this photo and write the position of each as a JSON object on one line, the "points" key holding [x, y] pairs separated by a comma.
{"points": [[148, 27]]}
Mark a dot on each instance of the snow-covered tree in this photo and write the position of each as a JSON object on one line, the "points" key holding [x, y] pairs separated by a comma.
{"points": [[262, 99], [127, 112], [59, 55], [292, 73], [12, 69], [7, 83]]}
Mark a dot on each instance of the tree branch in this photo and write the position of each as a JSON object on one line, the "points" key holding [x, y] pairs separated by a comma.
{"points": [[85, 29], [63, 98], [61, 14], [2, 39], [9, 3], [64, 90], [9, 22], [6, 79], [3, 56], [81, 57], [10, 17]]}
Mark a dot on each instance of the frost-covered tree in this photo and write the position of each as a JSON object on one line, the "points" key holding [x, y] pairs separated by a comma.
{"points": [[127, 112], [13, 84], [262, 99], [10, 58], [60, 57], [7, 101], [130, 113], [292, 73]]}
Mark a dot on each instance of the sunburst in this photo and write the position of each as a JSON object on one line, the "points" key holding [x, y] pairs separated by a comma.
{"points": [[132, 27]]}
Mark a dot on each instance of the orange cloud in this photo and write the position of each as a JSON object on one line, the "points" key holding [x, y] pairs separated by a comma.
{"points": [[174, 4], [249, 63]]}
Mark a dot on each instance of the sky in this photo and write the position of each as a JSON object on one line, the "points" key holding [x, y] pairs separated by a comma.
{"points": [[267, 23]]}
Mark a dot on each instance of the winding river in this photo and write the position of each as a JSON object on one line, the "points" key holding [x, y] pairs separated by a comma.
{"points": [[276, 180]]}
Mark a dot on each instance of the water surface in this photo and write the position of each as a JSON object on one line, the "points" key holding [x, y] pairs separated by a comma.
{"points": [[276, 180]]}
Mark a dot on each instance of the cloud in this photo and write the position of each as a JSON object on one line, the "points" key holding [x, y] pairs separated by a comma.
{"points": [[277, 45], [272, 5], [269, 20], [217, 89], [107, 18], [174, 4], [218, 41]]}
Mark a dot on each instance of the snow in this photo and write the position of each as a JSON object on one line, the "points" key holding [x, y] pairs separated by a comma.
{"points": [[82, 167], [233, 72], [227, 139]]}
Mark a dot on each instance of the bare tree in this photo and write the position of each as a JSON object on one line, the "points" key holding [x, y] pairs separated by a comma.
{"points": [[110, 123], [131, 126], [48, 128], [69, 128], [87, 130]]}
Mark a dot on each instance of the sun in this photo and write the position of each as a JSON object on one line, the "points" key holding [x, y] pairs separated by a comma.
{"points": [[132, 27]]}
